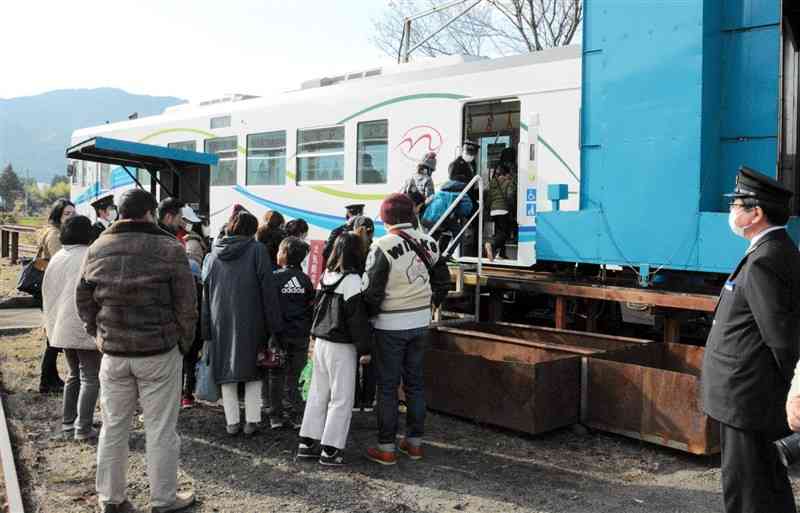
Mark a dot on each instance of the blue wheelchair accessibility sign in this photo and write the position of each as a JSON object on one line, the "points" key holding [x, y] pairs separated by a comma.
{"points": [[531, 195], [530, 209]]}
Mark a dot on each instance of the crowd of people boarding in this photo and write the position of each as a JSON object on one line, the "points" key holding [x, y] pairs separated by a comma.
{"points": [[143, 298]]}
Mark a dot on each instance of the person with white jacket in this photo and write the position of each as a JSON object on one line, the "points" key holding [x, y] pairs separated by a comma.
{"points": [[404, 278], [65, 329]]}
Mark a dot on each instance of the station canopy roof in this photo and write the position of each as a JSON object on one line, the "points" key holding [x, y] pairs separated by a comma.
{"points": [[138, 155]]}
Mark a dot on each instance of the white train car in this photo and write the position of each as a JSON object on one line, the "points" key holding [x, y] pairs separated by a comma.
{"points": [[357, 137]]}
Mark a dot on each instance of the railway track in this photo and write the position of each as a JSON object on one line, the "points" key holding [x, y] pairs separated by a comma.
{"points": [[10, 478]]}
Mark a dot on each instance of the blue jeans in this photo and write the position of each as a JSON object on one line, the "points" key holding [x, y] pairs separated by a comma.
{"points": [[399, 354]]}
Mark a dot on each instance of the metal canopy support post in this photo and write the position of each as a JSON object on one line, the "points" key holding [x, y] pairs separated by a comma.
{"points": [[153, 173], [133, 177]]}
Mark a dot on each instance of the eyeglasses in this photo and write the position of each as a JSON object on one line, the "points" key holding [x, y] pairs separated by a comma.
{"points": [[733, 206]]}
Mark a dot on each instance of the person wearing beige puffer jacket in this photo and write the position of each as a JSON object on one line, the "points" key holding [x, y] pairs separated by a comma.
{"points": [[65, 329]]}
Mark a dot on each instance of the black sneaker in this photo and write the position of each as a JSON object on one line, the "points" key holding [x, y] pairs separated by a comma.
{"points": [[331, 457], [308, 449]]}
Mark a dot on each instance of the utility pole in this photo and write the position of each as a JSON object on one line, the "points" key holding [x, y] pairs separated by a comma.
{"points": [[405, 40]]}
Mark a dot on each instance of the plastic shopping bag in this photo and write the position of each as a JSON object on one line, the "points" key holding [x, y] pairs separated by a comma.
{"points": [[305, 379], [206, 388]]}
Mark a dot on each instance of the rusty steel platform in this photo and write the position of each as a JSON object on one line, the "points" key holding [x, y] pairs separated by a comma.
{"points": [[524, 388], [534, 379], [650, 393]]}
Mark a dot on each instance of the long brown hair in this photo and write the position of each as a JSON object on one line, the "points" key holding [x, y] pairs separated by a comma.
{"points": [[273, 219], [243, 224], [347, 255]]}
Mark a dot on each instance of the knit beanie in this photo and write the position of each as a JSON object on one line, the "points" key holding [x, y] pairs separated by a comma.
{"points": [[429, 161], [397, 208]]}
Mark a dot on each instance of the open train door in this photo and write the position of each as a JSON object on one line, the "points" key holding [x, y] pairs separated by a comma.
{"points": [[174, 172], [527, 190]]}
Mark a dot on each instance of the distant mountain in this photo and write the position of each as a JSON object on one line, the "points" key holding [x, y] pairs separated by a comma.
{"points": [[35, 130]]}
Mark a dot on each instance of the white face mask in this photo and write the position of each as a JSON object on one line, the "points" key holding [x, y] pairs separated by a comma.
{"points": [[738, 230], [112, 215], [467, 157], [188, 227]]}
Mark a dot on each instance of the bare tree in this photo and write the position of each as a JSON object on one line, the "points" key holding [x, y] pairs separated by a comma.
{"points": [[495, 27], [542, 23]]}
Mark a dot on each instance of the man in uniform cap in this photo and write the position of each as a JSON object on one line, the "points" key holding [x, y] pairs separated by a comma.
{"points": [[353, 210], [105, 211], [463, 169], [753, 348], [464, 164]]}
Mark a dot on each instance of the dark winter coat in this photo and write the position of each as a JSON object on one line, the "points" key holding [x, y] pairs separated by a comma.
{"points": [[97, 229], [136, 293], [752, 349], [272, 239], [240, 307], [328, 249], [297, 301]]}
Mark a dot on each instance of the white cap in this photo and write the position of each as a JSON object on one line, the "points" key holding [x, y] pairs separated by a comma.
{"points": [[188, 213]]}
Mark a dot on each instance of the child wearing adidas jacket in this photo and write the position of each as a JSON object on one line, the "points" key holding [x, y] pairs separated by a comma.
{"points": [[297, 305], [340, 329]]}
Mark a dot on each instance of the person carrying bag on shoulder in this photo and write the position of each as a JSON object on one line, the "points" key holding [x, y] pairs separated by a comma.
{"points": [[49, 245]]}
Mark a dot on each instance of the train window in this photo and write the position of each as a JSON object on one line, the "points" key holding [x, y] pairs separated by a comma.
{"points": [[223, 173], [183, 145], [266, 158], [143, 176], [221, 122], [373, 145], [320, 154], [105, 177]]}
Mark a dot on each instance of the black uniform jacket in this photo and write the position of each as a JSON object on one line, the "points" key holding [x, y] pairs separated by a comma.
{"points": [[328, 249], [97, 229], [753, 345]]}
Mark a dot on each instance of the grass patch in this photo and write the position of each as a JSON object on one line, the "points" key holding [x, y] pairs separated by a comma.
{"points": [[36, 221]]}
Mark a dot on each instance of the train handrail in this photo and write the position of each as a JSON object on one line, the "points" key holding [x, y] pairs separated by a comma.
{"points": [[452, 207], [476, 180]]}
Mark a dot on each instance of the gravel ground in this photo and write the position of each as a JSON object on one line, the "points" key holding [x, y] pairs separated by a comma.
{"points": [[467, 467], [9, 274]]}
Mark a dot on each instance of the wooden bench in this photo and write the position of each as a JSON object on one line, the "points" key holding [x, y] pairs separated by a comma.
{"points": [[9, 241]]}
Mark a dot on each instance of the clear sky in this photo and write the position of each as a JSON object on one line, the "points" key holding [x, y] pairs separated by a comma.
{"points": [[193, 49]]}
